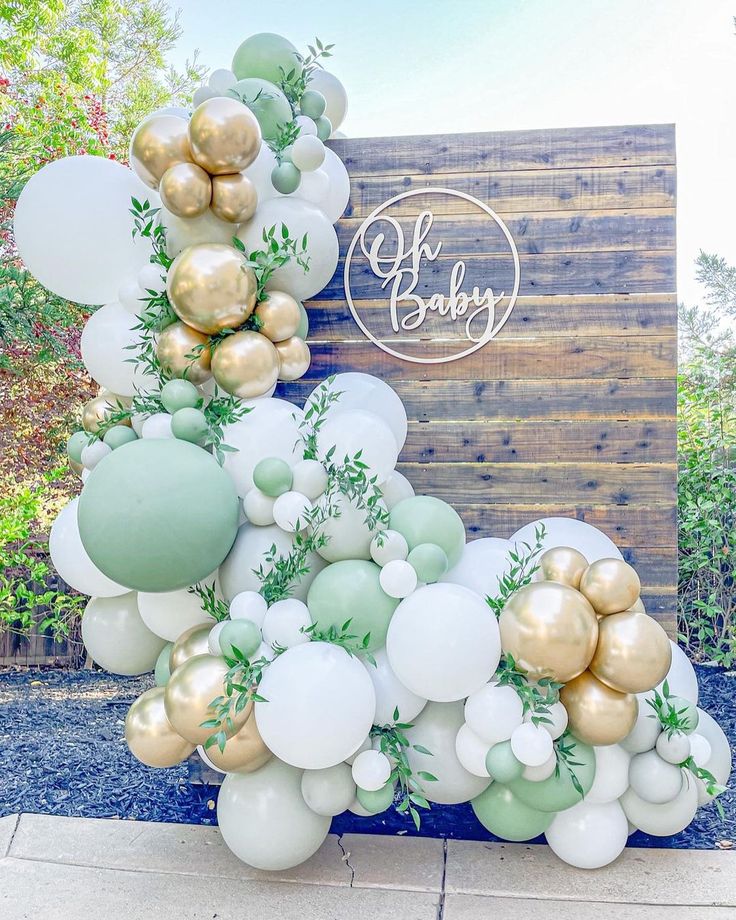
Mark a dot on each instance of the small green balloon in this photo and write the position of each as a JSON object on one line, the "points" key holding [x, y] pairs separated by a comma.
{"points": [[285, 178], [313, 104], [273, 476], [324, 127], [501, 763], [162, 671], [557, 792], [243, 635], [190, 425], [687, 713], [303, 330], [179, 394], [378, 801], [76, 444], [426, 519], [266, 102], [351, 590], [429, 562], [501, 813], [266, 55], [118, 435]]}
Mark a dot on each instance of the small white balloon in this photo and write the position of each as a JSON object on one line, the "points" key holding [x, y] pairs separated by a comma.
{"points": [[542, 772], [395, 489], [136, 421], [221, 80], [309, 478], [700, 749], [213, 638], [398, 578], [307, 126], [531, 744], [330, 791], [493, 712], [152, 278], [391, 694], [588, 836], [472, 751], [371, 770], [611, 774], [71, 561], [258, 507], [666, 819], [307, 153], [249, 605], [653, 779], [674, 747], [285, 622], [643, 736], [555, 720], [157, 426], [291, 511], [388, 546], [93, 453]]}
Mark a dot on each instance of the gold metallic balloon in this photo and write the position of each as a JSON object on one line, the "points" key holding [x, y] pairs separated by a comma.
{"points": [[597, 714], [211, 288], [633, 653], [150, 736], [98, 410], [234, 198], [294, 358], [245, 364], [186, 190], [550, 630], [563, 564], [188, 694], [75, 466], [611, 585], [245, 751], [158, 144], [225, 136], [184, 352], [279, 314], [191, 642]]}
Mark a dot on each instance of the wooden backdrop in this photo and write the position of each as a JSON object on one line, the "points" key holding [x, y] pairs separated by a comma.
{"points": [[571, 409]]}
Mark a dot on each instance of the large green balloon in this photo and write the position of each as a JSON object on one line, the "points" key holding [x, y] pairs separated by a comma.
{"points": [[266, 102], [500, 812], [378, 801], [557, 792], [266, 55], [425, 519], [158, 515], [501, 763], [351, 590]]}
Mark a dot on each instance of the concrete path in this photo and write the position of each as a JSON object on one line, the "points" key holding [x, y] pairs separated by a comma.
{"points": [[62, 868]]}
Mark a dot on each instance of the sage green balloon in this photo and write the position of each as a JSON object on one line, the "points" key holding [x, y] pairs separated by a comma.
{"points": [[351, 590], [190, 424], [179, 394], [162, 671], [158, 515], [303, 330], [286, 178], [268, 56], [687, 712], [426, 519], [429, 562], [76, 444], [501, 813], [313, 103], [118, 435], [557, 792], [501, 763], [273, 476], [243, 635], [324, 127], [378, 801], [266, 102]]}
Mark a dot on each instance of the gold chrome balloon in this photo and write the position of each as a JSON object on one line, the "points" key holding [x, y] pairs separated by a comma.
{"points": [[294, 358], [188, 694], [225, 136], [564, 565], [99, 409], [597, 714], [633, 653], [245, 751], [75, 466], [150, 736], [158, 144], [279, 314], [186, 190], [245, 364], [191, 642], [611, 585], [550, 630], [184, 352], [211, 288], [234, 198]]}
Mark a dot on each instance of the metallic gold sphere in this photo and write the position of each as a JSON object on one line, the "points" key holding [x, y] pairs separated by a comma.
{"points": [[611, 585], [177, 355], [245, 364], [279, 314], [245, 751], [75, 467], [564, 565], [158, 144], [99, 409], [149, 734], [550, 630], [186, 190], [225, 136], [234, 198], [211, 288], [597, 714], [294, 358], [191, 642], [633, 653]]}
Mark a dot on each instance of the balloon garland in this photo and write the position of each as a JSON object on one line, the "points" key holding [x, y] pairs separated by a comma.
{"points": [[320, 634]]}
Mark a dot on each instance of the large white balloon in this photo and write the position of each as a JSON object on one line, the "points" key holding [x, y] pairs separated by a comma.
{"points": [[585, 538], [443, 642], [472, 751], [189, 231], [719, 762], [106, 344], [259, 173], [587, 835], [391, 694], [170, 613], [264, 819], [301, 219], [681, 678], [334, 93], [348, 535], [357, 431], [667, 819], [364, 391], [481, 565], [611, 774], [71, 561], [338, 191], [321, 705], [117, 638], [493, 712], [72, 227], [396, 488]]}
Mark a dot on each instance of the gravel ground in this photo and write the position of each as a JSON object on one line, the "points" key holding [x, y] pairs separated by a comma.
{"points": [[62, 752]]}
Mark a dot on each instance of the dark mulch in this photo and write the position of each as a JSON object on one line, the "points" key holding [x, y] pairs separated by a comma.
{"points": [[62, 752]]}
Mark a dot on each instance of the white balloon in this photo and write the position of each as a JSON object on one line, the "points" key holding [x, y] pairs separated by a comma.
{"points": [[396, 488], [188, 231], [531, 744], [436, 729], [391, 694], [307, 126], [249, 605], [700, 749], [542, 772], [170, 613], [307, 153], [258, 507], [291, 511], [285, 622], [221, 80], [611, 774], [157, 426], [643, 736], [666, 819], [588, 836], [334, 93], [348, 535], [71, 561], [443, 642], [152, 278], [330, 791], [653, 779], [719, 762], [177, 110], [493, 712], [264, 819], [387, 546], [681, 678], [205, 759], [300, 218], [131, 297], [72, 227], [137, 421], [93, 453], [367, 745], [585, 538], [398, 578], [482, 564], [320, 708], [555, 719], [315, 188], [259, 173], [674, 747], [472, 751], [106, 344], [338, 193], [371, 770], [309, 478], [116, 637], [354, 431], [213, 638]]}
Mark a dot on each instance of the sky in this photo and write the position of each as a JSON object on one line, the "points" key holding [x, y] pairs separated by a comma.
{"points": [[447, 66]]}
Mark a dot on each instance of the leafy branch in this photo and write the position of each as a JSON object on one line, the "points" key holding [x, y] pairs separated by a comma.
{"points": [[536, 697], [215, 606], [294, 84], [352, 643], [278, 250], [671, 719], [712, 786], [564, 750], [523, 567]]}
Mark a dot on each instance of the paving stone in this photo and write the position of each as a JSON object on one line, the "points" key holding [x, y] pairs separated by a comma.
{"points": [[478, 907], [8, 825]]}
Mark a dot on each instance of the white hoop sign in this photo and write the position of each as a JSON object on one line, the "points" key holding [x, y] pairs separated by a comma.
{"points": [[396, 262]]}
